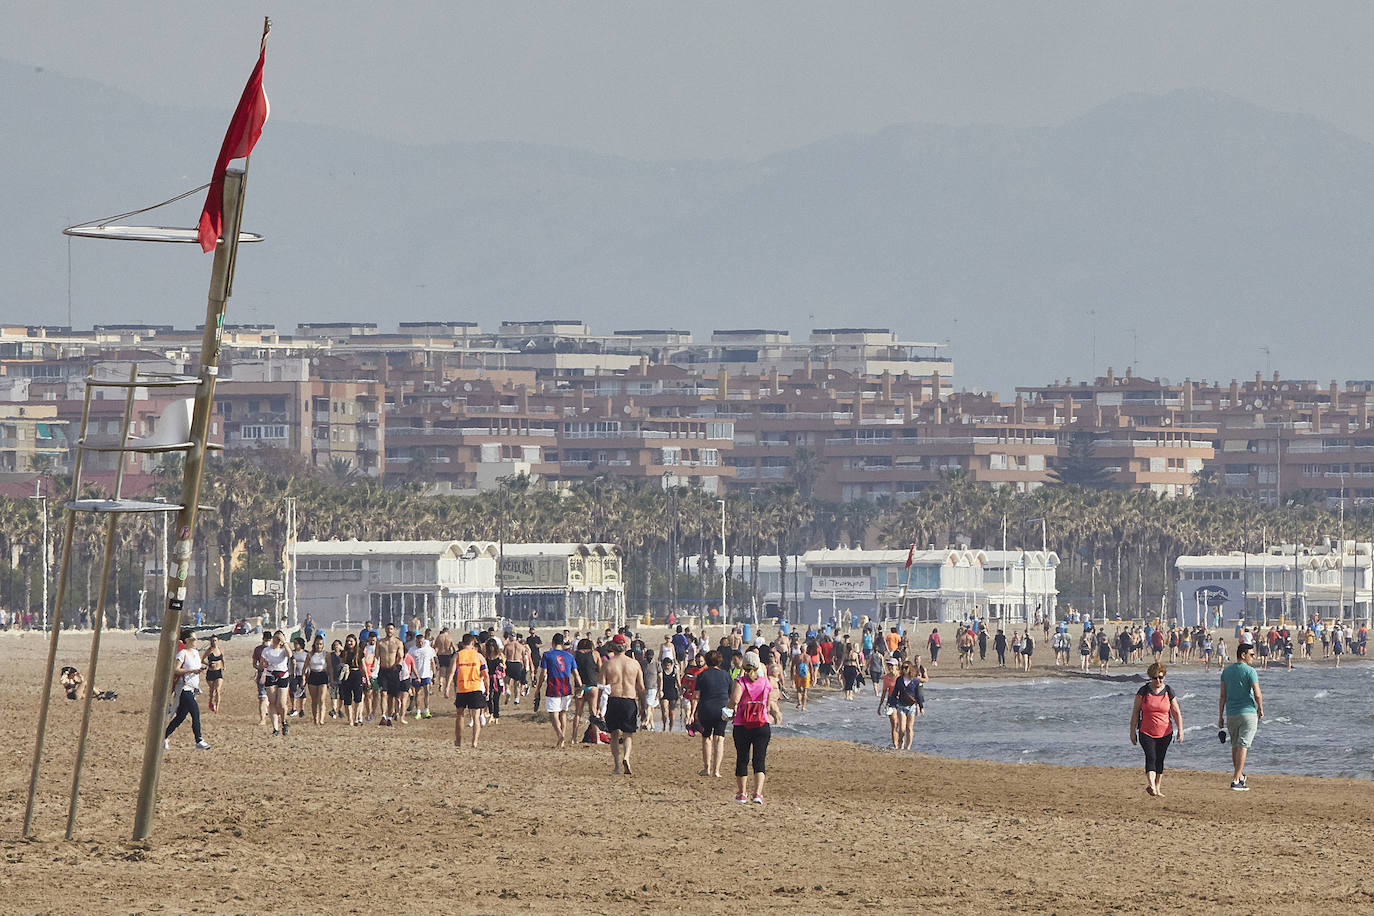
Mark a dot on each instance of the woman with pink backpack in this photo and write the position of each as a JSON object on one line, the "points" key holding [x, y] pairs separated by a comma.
{"points": [[755, 708]]}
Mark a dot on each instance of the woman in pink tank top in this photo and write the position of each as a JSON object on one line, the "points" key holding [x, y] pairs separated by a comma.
{"points": [[755, 708]]}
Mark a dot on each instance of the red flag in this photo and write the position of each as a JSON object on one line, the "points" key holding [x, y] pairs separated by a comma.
{"points": [[244, 130], [911, 555]]}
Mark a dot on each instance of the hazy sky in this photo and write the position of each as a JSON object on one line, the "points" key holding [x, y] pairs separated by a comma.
{"points": [[703, 79]]}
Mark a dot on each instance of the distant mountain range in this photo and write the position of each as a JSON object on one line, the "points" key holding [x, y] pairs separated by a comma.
{"points": [[1187, 231]]}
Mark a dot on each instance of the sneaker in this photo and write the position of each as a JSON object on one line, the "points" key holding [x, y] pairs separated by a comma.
{"points": [[283, 729], [417, 715], [1240, 786], [275, 732], [757, 799], [428, 714], [202, 745], [742, 799], [166, 745]]}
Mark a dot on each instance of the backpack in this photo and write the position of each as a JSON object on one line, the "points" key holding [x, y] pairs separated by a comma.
{"points": [[752, 711], [803, 669]]}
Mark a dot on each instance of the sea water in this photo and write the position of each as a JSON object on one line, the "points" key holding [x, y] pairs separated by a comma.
{"points": [[1319, 720]]}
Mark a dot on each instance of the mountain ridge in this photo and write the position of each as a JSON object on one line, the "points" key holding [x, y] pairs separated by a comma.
{"points": [[1210, 226]]}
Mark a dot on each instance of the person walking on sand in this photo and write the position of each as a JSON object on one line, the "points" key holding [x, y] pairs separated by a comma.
{"points": [[1240, 709], [188, 670], [390, 653], [933, 644], [713, 695], [444, 651], [557, 681], [351, 680], [424, 657], [517, 659], [1155, 720], [317, 678], [276, 661], [214, 672], [469, 689], [588, 668], [260, 675], [624, 679], [755, 707]]}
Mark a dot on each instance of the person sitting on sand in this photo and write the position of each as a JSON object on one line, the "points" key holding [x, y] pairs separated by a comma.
{"points": [[74, 685]]}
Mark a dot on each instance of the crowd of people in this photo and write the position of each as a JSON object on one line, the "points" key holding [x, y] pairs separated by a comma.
{"points": [[604, 688]]}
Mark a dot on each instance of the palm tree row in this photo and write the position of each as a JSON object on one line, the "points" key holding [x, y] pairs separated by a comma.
{"points": [[1113, 543]]}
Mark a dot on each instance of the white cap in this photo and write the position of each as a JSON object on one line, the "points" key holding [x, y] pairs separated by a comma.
{"points": [[751, 660]]}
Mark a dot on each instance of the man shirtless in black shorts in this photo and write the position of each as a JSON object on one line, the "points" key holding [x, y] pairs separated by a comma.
{"points": [[624, 679], [517, 667], [390, 652]]}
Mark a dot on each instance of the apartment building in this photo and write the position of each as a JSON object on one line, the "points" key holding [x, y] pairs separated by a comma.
{"points": [[318, 420], [472, 434], [32, 437]]}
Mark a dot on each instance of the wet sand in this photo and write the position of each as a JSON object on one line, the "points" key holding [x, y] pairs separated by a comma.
{"points": [[349, 820]]}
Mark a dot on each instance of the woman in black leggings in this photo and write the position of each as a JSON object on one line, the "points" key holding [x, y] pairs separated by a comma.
{"points": [[1155, 718], [188, 670], [755, 707], [352, 677]]}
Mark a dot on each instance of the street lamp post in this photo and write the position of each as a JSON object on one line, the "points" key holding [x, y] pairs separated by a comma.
{"points": [[43, 502], [1045, 551], [722, 553]]}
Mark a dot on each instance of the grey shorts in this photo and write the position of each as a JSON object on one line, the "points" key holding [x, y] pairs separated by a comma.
{"points": [[1242, 728]]}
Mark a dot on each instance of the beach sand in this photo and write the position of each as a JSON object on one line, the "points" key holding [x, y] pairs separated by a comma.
{"points": [[350, 820]]}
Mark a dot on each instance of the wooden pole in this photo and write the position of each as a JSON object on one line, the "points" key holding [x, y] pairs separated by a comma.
{"points": [[221, 286], [63, 568], [110, 527]]}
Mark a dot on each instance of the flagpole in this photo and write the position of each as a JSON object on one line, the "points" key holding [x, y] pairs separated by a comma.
{"points": [[221, 281]]}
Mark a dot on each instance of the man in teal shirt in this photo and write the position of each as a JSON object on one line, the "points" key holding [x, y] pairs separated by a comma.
{"points": [[1240, 708]]}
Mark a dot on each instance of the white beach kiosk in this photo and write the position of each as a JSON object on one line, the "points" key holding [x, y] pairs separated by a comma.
{"points": [[443, 583]]}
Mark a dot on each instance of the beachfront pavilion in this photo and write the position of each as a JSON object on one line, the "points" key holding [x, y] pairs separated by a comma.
{"points": [[941, 586], [1018, 584], [1289, 583], [572, 585], [443, 583]]}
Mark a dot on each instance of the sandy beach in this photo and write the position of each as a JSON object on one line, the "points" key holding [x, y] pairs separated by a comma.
{"points": [[348, 820]]}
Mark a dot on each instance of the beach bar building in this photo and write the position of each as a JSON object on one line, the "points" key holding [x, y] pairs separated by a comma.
{"points": [[443, 583], [1019, 584], [1290, 583], [941, 585], [558, 584]]}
